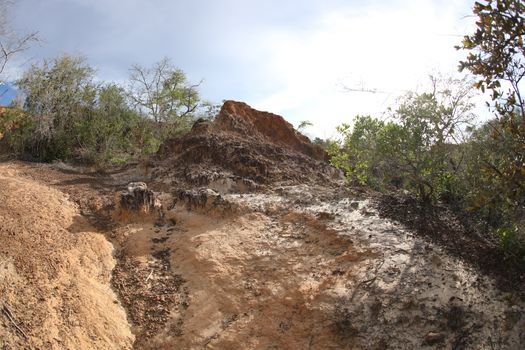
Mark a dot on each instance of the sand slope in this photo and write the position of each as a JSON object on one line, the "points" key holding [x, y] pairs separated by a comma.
{"points": [[54, 273]]}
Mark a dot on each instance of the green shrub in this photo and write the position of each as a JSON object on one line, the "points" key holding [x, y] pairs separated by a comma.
{"points": [[69, 117]]}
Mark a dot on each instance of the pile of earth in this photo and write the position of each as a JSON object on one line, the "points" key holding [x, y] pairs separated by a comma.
{"points": [[55, 268], [242, 149]]}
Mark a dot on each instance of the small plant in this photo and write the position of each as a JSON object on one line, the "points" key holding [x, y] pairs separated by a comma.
{"points": [[512, 241], [303, 125]]}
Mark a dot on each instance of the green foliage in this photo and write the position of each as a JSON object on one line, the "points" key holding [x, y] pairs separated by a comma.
{"points": [[357, 154], [59, 93], [513, 241], [420, 144], [14, 128], [414, 150], [163, 92], [429, 148], [324, 143], [304, 124], [104, 135], [69, 117], [497, 48], [208, 110], [497, 58]]}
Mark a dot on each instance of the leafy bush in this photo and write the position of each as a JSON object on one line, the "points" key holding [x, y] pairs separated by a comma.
{"points": [[14, 128], [431, 151], [513, 241], [413, 151], [67, 116], [496, 56], [59, 94], [104, 134]]}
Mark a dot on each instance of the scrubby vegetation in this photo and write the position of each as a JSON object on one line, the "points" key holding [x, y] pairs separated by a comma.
{"points": [[237, 232], [429, 146], [68, 115]]}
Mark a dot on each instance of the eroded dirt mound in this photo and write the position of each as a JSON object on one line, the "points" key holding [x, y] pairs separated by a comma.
{"points": [[55, 273], [240, 118], [241, 149]]}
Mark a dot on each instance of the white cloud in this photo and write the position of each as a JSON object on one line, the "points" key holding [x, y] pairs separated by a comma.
{"points": [[390, 48], [292, 58]]}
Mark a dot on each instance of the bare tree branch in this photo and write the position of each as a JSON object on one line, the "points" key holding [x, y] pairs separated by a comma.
{"points": [[163, 92]]}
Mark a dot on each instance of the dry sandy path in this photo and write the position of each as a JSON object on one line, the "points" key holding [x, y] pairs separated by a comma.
{"points": [[296, 268]]}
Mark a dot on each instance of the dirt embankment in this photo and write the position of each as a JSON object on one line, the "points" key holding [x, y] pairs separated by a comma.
{"points": [[242, 149], [55, 273], [258, 247]]}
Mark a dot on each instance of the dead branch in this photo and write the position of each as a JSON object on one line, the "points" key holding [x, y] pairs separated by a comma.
{"points": [[368, 281], [9, 315], [149, 276]]}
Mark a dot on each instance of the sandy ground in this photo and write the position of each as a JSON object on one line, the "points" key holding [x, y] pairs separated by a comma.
{"points": [[55, 273], [291, 270], [299, 267]]}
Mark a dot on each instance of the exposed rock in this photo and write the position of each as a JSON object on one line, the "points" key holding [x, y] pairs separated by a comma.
{"points": [[200, 199], [246, 146], [139, 199], [433, 338]]}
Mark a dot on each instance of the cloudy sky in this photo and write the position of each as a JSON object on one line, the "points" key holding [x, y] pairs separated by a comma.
{"points": [[302, 59]]}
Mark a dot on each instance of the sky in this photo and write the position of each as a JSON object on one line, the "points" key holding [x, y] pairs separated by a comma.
{"points": [[302, 59]]}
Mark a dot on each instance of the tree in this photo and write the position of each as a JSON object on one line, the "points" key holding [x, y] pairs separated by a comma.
{"points": [[69, 117], [10, 42], [59, 95], [357, 153], [163, 92], [417, 149], [105, 133], [432, 127], [497, 58], [323, 143], [208, 110], [497, 52]]}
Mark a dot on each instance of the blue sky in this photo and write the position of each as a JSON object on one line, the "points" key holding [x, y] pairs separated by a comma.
{"points": [[293, 57]]}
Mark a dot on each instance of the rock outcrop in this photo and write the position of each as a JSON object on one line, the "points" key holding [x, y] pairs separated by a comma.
{"points": [[137, 199], [241, 149]]}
